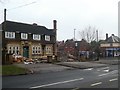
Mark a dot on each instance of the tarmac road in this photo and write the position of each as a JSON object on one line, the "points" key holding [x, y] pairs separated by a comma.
{"points": [[102, 77]]}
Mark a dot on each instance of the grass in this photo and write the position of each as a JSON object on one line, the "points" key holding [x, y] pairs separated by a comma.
{"points": [[12, 70]]}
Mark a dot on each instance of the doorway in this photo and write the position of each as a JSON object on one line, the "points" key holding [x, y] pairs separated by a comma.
{"points": [[26, 51]]}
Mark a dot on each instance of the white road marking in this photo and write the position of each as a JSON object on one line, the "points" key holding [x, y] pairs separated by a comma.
{"points": [[102, 68], [57, 83], [88, 69], [103, 74], [113, 79], [75, 88], [108, 73], [107, 70], [96, 84]]}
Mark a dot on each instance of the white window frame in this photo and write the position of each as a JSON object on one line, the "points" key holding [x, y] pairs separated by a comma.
{"points": [[48, 50], [10, 35], [36, 49], [36, 37], [13, 49], [24, 36], [47, 38]]}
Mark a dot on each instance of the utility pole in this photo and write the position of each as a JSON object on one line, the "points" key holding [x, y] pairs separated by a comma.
{"points": [[97, 45], [4, 52], [74, 34], [97, 35], [5, 14]]}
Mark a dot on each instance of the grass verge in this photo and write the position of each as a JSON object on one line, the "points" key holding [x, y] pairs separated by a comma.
{"points": [[12, 70]]}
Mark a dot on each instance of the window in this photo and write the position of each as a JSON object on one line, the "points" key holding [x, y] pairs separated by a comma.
{"points": [[9, 34], [47, 38], [36, 37], [24, 36], [36, 49], [48, 49], [13, 49]]}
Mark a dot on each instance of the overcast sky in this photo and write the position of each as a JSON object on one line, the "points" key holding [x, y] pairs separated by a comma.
{"points": [[70, 15]]}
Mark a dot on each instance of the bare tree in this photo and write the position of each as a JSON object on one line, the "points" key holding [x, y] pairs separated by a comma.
{"points": [[89, 34]]}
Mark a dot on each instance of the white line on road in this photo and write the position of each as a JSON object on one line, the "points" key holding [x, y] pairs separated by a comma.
{"points": [[102, 68], [88, 69], [113, 79], [96, 84], [103, 74], [108, 73], [57, 83], [107, 70]]}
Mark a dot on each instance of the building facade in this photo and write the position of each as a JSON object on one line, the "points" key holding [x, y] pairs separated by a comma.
{"points": [[111, 46], [29, 40]]}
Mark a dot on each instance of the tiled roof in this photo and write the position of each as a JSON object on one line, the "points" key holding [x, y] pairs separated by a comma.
{"points": [[27, 28], [113, 39]]}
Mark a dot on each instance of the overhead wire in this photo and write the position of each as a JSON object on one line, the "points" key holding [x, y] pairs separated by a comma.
{"points": [[21, 6]]}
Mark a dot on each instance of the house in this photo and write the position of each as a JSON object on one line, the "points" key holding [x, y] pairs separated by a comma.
{"points": [[69, 46], [28, 40], [82, 48], [111, 46], [73, 49]]}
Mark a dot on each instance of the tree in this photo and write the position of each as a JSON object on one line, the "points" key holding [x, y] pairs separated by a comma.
{"points": [[89, 34]]}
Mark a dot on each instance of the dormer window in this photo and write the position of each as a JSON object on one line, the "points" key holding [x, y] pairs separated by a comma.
{"points": [[24, 36], [9, 34], [47, 38], [36, 37]]}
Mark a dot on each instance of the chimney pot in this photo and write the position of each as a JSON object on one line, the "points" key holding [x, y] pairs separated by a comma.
{"points": [[113, 35], [106, 36], [35, 24], [54, 24]]}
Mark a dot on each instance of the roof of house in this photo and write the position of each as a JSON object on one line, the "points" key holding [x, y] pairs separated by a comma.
{"points": [[113, 39], [26, 28]]}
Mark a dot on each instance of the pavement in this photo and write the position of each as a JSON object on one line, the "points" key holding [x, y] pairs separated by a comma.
{"points": [[48, 67], [110, 61], [82, 65], [43, 67]]}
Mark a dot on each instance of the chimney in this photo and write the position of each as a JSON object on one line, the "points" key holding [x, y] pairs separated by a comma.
{"points": [[113, 35], [5, 14], [34, 24], [106, 36], [54, 24]]}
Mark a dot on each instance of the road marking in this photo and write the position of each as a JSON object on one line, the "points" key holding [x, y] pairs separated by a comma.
{"points": [[107, 70], [75, 88], [57, 83], [103, 74], [102, 68], [113, 79], [88, 69], [112, 72], [96, 84]]}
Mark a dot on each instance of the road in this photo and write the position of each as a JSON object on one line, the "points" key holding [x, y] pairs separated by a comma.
{"points": [[104, 77]]}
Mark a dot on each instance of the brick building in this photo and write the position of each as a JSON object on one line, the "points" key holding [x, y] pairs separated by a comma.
{"points": [[111, 46], [28, 40]]}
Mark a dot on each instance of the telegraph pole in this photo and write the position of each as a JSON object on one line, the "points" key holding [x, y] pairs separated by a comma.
{"points": [[74, 34], [5, 14], [97, 45], [97, 35]]}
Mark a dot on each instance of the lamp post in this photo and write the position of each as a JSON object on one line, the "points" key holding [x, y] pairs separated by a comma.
{"points": [[76, 49], [74, 34]]}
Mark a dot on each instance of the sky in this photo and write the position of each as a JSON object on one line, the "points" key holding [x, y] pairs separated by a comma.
{"points": [[70, 15]]}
